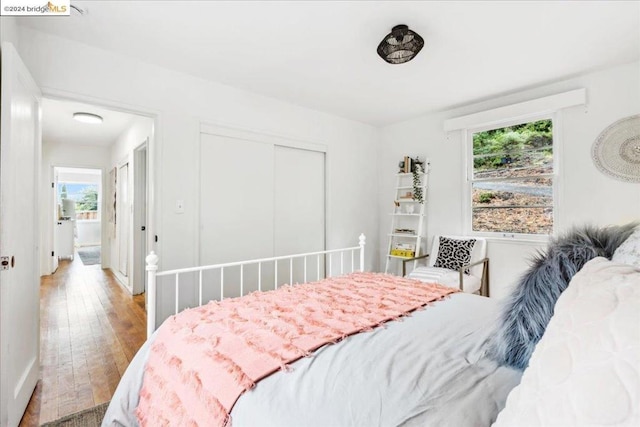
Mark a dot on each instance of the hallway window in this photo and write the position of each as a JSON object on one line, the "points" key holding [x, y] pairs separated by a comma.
{"points": [[85, 197]]}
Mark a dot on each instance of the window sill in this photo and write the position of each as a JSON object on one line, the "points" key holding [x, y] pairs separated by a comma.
{"points": [[520, 240]]}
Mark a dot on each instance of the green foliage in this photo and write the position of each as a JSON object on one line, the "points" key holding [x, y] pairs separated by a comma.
{"points": [[497, 148], [511, 141], [89, 200], [486, 197], [417, 185], [541, 126]]}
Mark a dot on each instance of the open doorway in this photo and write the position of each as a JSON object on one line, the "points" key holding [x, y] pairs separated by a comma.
{"points": [[114, 144], [104, 321], [78, 214]]}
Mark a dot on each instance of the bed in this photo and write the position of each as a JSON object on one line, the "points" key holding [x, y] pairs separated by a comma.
{"points": [[432, 364]]}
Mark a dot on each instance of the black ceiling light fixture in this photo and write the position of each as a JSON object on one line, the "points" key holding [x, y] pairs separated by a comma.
{"points": [[400, 45]]}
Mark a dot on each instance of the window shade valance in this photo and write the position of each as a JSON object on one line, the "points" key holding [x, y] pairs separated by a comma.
{"points": [[523, 109]]}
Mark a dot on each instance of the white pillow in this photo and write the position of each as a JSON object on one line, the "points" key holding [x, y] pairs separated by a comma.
{"points": [[629, 251], [585, 370]]}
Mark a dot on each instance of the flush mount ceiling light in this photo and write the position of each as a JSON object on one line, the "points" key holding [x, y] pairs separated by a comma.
{"points": [[401, 45], [87, 118]]}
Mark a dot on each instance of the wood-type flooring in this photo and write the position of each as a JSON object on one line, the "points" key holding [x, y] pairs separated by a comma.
{"points": [[90, 329]]}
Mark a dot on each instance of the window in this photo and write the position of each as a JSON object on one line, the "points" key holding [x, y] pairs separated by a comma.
{"points": [[511, 172], [84, 196]]}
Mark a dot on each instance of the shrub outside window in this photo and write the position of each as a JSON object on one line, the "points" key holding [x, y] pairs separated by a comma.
{"points": [[85, 197], [512, 179]]}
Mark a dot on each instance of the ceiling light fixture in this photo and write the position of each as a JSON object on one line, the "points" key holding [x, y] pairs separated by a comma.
{"points": [[87, 118], [400, 45]]}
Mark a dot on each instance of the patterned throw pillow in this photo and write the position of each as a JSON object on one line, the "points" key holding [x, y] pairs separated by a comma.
{"points": [[454, 253]]}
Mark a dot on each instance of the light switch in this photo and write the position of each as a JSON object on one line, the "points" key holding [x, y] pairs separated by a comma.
{"points": [[179, 206]]}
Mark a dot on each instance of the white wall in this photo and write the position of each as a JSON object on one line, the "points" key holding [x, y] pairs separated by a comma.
{"points": [[587, 195], [82, 178], [122, 152], [65, 155], [130, 139], [89, 232], [181, 103], [9, 31]]}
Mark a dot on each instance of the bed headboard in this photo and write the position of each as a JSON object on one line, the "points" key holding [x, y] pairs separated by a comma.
{"points": [[330, 267]]}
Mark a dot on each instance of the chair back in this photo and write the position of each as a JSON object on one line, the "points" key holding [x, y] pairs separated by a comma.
{"points": [[479, 251]]}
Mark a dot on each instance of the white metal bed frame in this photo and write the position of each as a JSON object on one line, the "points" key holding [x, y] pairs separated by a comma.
{"points": [[153, 273]]}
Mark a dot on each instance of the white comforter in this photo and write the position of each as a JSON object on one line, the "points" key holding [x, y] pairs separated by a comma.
{"points": [[585, 371], [429, 369]]}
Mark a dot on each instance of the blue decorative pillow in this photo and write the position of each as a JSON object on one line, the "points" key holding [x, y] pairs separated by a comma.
{"points": [[529, 308], [454, 253]]}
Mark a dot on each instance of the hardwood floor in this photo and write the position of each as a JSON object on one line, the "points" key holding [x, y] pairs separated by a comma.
{"points": [[90, 329]]}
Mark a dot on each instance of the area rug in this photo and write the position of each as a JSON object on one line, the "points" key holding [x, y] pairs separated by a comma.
{"points": [[91, 417], [90, 255]]}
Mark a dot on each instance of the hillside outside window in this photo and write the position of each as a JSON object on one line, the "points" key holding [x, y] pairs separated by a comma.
{"points": [[512, 176]]}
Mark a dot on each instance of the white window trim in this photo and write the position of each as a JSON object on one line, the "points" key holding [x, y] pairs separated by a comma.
{"points": [[546, 107], [521, 111]]}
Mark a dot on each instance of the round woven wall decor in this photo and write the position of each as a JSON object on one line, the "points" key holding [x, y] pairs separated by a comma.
{"points": [[616, 151]]}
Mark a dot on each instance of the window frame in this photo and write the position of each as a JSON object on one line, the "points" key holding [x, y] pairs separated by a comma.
{"points": [[468, 181], [86, 184]]}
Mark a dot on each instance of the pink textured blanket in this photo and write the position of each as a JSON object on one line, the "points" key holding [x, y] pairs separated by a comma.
{"points": [[204, 358]]}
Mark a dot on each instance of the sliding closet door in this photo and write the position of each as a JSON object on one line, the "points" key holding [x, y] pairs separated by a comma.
{"points": [[257, 200], [299, 223], [236, 205]]}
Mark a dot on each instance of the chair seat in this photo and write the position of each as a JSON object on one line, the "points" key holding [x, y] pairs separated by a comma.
{"points": [[446, 277]]}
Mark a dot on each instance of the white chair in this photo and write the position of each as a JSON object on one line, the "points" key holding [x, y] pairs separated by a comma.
{"points": [[474, 274]]}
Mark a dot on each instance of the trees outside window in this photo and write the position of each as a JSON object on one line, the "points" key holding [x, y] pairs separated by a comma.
{"points": [[85, 197], [512, 177], [88, 199]]}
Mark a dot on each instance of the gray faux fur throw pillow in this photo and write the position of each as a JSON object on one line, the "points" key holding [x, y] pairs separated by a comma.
{"points": [[529, 308]]}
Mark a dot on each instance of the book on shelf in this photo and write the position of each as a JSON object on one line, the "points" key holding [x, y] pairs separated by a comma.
{"points": [[403, 249], [402, 253], [407, 164], [404, 231], [405, 246]]}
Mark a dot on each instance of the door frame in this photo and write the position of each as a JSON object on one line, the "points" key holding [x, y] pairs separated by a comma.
{"points": [[140, 243], [154, 153], [52, 208], [115, 263]]}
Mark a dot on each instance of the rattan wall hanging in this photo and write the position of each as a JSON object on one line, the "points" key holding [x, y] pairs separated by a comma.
{"points": [[616, 151]]}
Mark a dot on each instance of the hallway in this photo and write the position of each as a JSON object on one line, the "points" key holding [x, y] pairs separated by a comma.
{"points": [[90, 329]]}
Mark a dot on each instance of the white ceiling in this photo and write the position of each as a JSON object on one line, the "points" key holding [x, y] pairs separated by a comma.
{"points": [[322, 55], [59, 126]]}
